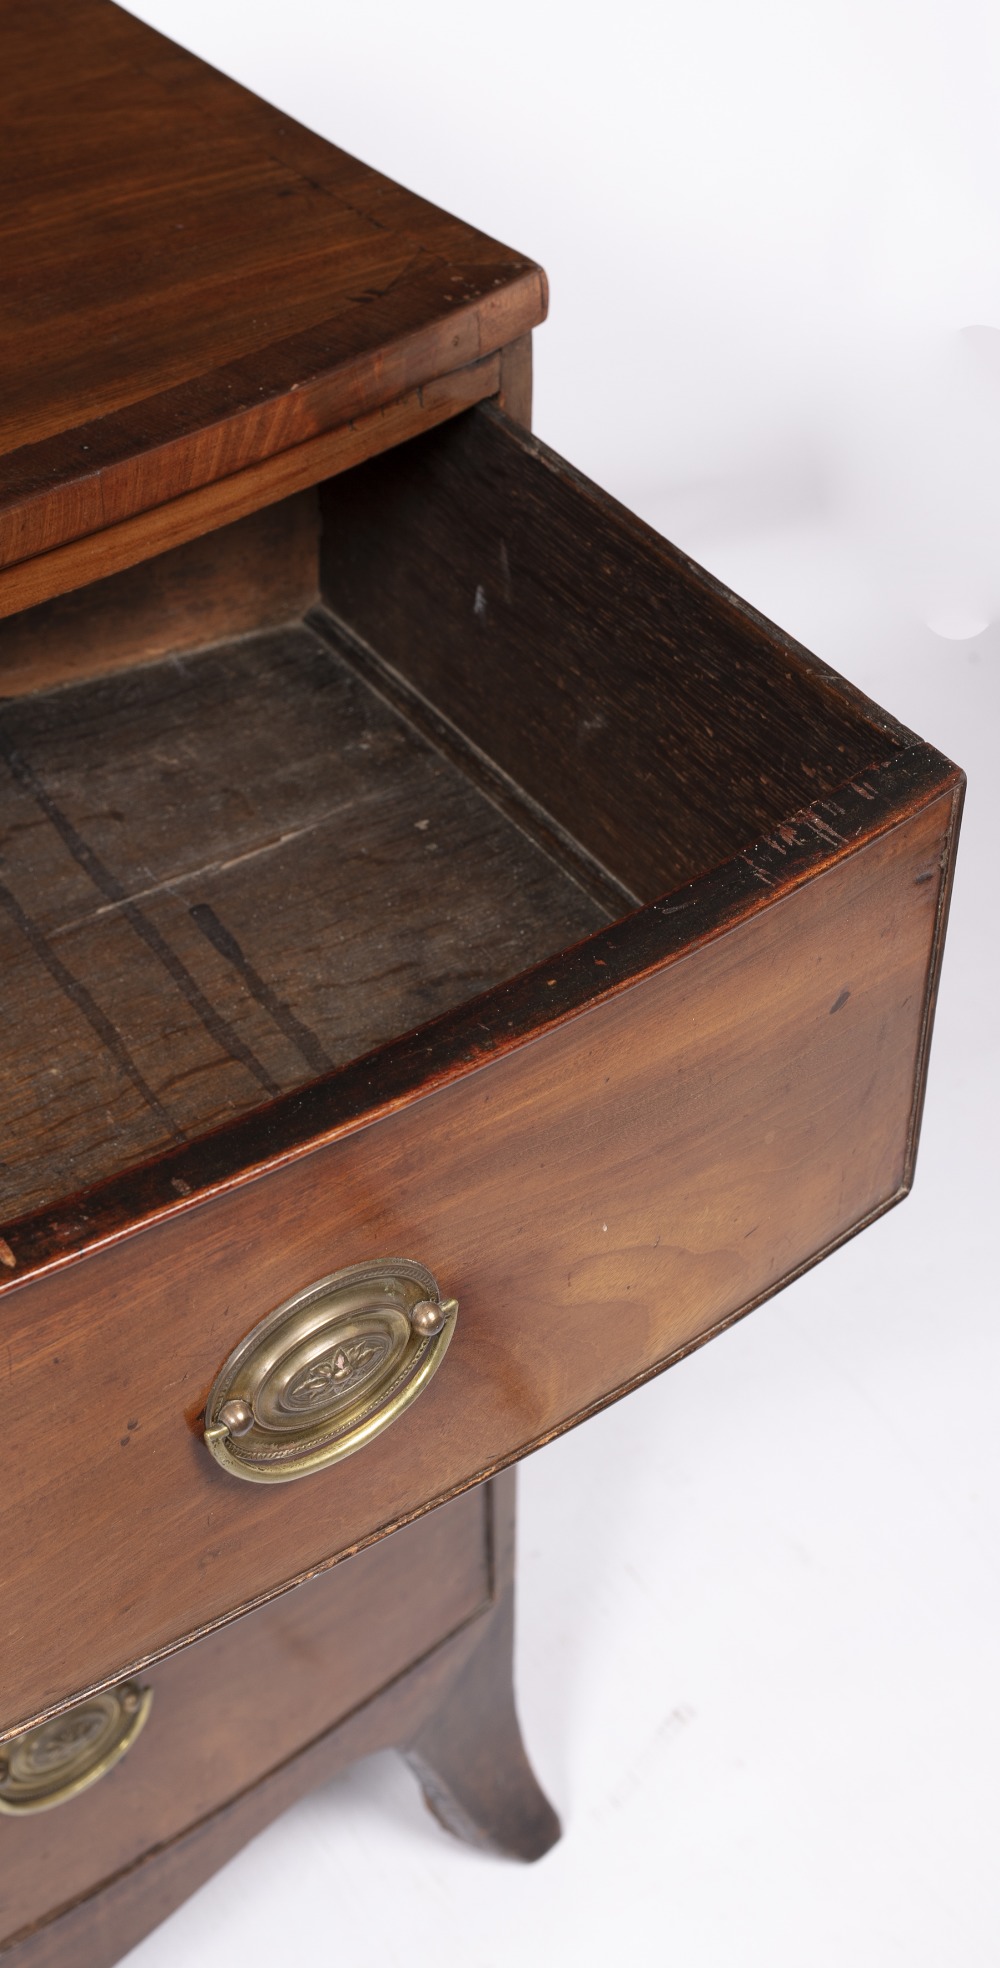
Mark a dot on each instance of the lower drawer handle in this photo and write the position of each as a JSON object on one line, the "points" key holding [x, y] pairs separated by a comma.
{"points": [[328, 1370], [57, 1759]]}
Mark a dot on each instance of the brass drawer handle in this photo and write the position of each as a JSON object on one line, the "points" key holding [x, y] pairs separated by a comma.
{"points": [[328, 1370], [57, 1759]]}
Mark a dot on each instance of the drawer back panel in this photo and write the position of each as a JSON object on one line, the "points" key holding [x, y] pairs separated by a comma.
{"points": [[659, 720]]}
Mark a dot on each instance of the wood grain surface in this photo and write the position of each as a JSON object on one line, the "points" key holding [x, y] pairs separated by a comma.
{"points": [[660, 721], [599, 1203], [255, 574], [237, 1705], [96, 1930], [451, 1709], [226, 875], [468, 1754], [28, 583], [194, 283]]}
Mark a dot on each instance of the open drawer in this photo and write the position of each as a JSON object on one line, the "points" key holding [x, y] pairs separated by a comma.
{"points": [[529, 910]]}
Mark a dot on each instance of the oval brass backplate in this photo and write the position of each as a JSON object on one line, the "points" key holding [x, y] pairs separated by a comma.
{"points": [[328, 1370], [57, 1759]]}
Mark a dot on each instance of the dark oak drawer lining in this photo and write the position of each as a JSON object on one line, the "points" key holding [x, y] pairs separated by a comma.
{"points": [[225, 875], [659, 720]]}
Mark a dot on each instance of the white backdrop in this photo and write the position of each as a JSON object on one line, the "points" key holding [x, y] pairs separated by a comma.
{"points": [[760, 1607]]}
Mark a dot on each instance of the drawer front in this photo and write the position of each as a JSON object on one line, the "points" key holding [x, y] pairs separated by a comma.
{"points": [[228, 1711], [598, 1200]]}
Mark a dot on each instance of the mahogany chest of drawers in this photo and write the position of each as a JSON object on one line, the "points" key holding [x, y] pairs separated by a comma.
{"points": [[457, 959]]}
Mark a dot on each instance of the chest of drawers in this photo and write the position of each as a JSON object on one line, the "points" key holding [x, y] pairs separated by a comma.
{"points": [[458, 958]]}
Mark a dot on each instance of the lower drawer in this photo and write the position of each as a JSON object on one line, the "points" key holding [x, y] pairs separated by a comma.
{"points": [[234, 1708]]}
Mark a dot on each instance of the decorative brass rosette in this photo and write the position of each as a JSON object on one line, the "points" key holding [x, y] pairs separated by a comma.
{"points": [[58, 1759], [328, 1370]]}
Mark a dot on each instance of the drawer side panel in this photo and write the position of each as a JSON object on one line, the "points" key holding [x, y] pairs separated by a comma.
{"points": [[658, 720]]}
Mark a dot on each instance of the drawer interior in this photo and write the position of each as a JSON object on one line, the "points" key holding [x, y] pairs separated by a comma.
{"points": [[226, 874], [285, 795]]}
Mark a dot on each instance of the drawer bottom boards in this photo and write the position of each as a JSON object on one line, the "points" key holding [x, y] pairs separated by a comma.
{"points": [[409, 1643], [228, 873]]}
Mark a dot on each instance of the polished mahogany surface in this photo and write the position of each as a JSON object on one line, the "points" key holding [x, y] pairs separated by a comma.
{"points": [[192, 283]]}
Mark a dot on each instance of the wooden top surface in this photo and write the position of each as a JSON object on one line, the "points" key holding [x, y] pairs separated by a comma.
{"points": [[192, 282]]}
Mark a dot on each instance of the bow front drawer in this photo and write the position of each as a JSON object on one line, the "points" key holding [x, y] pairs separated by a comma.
{"points": [[443, 1011]]}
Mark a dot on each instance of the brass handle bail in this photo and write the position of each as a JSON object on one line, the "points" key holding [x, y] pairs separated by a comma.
{"points": [[328, 1370]]}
